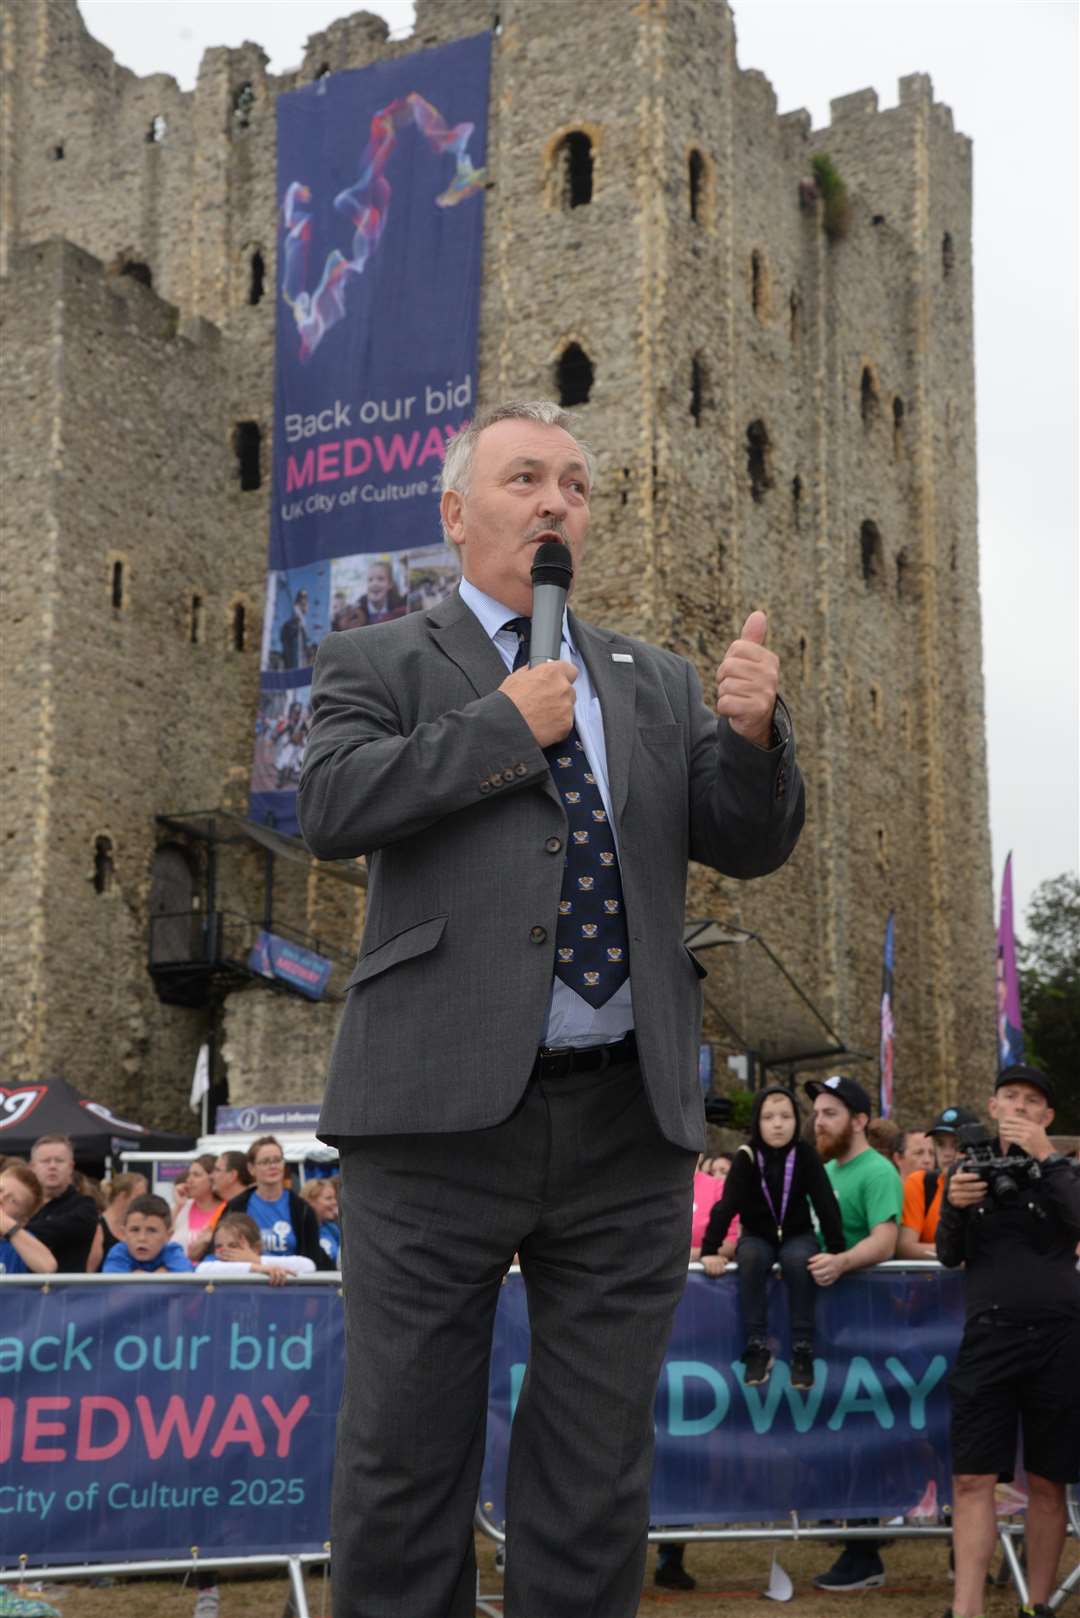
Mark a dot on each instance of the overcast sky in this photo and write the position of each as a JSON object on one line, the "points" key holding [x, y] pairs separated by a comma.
{"points": [[1009, 73]]}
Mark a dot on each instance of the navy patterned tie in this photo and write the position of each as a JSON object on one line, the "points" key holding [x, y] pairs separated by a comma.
{"points": [[592, 953]]}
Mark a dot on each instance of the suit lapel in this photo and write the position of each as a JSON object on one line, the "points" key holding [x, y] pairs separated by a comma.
{"points": [[459, 633], [615, 685]]}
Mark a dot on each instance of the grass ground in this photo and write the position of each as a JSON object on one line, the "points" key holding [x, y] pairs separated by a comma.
{"points": [[918, 1586]]}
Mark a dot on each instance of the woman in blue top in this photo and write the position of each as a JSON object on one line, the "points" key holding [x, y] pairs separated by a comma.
{"points": [[286, 1223], [20, 1198]]}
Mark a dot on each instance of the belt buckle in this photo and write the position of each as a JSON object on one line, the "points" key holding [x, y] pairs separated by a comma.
{"points": [[556, 1063]]}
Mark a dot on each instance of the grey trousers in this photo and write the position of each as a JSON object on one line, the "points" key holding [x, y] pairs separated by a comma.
{"points": [[581, 1184]]}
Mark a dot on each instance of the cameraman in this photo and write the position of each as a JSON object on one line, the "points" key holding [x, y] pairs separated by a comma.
{"points": [[1014, 1225]]}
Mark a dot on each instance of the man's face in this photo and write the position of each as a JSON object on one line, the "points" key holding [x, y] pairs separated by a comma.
{"points": [[1021, 1101], [223, 1180], [918, 1153], [54, 1166], [528, 483], [834, 1127], [145, 1235]]}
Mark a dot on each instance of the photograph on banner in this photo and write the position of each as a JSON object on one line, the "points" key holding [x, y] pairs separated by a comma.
{"points": [[282, 727], [297, 616], [368, 589]]}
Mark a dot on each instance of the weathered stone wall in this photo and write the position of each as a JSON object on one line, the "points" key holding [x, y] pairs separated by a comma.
{"points": [[748, 312]]}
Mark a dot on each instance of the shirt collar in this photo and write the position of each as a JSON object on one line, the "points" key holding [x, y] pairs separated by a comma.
{"points": [[494, 614]]}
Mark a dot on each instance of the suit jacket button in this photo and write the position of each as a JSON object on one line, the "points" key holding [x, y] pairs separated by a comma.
{"points": [[553, 845], [521, 769], [538, 935], [508, 775], [485, 786]]}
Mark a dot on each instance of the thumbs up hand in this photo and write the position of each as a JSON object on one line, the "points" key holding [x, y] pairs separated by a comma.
{"points": [[746, 683]]}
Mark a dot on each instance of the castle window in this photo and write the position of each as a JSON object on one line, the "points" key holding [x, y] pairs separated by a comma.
{"points": [[696, 168], [58, 154], [195, 622], [257, 283], [155, 135], [878, 219], [138, 271], [868, 397], [247, 444], [882, 852], [897, 426], [796, 499], [757, 285], [243, 103], [876, 710], [104, 869], [574, 157], [239, 627], [323, 73], [802, 659], [574, 376], [948, 256], [118, 586], [624, 492], [871, 553], [794, 318], [698, 381], [757, 459], [905, 583]]}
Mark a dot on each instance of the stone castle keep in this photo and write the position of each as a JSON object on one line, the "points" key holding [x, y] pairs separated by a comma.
{"points": [[782, 401]]}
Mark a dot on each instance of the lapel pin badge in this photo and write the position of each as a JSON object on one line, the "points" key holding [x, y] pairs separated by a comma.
{"points": [[622, 657]]}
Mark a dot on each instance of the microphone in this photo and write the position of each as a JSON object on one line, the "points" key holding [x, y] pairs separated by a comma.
{"points": [[552, 575]]}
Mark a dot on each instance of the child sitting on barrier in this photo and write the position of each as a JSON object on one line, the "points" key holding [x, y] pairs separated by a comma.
{"points": [[20, 1198], [147, 1248], [773, 1182], [238, 1251]]}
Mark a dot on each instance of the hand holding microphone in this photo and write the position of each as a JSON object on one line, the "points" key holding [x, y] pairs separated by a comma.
{"points": [[543, 693]]}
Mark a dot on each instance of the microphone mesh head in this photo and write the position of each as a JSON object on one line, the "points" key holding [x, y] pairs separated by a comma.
{"points": [[553, 564]]}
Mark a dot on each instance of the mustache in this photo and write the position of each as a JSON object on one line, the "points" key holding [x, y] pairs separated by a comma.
{"points": [[557, 528]]}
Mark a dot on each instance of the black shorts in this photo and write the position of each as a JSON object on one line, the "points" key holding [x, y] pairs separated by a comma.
{"points": [[1011, 1377]]}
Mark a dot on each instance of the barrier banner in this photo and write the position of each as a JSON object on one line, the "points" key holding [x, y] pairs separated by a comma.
{"points": [[870, 1439], [137, 1420], [140, 1418], [380, 186]]}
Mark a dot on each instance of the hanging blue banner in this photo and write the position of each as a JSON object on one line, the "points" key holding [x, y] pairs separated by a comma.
{"points": [[869, 1439], [380, 188], [274, 957]]}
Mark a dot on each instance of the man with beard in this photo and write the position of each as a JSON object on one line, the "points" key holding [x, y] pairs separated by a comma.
{"points": [[870, 1195]]}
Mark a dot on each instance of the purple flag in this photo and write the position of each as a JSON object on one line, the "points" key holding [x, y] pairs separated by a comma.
{"points": [[1010, 1032], [885, 1057]]}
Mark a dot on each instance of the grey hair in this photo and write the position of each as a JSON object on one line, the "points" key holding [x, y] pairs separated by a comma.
{"points": [[459, 452]]}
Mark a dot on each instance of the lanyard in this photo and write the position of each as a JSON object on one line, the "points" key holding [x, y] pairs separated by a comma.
{"points": [[789, 1170]]}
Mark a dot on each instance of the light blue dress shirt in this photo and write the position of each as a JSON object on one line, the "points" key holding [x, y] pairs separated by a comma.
{"points": [[571, 1020]]}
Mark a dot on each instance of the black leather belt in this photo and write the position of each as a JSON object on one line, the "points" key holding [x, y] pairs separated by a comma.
{"points": [[559, 1064]]}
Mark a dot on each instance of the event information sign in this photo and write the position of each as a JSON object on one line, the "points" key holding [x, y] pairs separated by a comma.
{"points": [[380, 187], [140, 1418]]}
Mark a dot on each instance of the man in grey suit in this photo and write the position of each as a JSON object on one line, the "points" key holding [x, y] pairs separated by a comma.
{"points": [[516, 1065]]}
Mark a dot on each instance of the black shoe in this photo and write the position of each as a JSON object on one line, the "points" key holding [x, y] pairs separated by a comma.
{"points": [[757, 1363], [802, 1365], [673, 1576], [853, 1570], [1041, 1609]]}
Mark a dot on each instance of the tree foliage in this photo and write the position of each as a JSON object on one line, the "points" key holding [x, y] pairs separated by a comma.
{"points": [[1050, 991]]}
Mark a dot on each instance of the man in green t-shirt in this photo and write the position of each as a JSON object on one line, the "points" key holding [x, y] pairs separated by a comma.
{"points": [[871, 1198]]}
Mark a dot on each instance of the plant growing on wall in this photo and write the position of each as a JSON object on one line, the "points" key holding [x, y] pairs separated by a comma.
{"points": [[834, 195]]}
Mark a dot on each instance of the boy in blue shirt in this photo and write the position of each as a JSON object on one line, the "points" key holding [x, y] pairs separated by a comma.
{"points": [[146, 1248]]}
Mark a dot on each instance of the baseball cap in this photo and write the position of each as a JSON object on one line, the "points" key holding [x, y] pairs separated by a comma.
{"points": [[951, 1120], [1019, 1074], [844, 1089]]}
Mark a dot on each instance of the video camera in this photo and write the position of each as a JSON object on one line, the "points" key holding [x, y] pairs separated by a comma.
{"points": [[1004, 1177]]}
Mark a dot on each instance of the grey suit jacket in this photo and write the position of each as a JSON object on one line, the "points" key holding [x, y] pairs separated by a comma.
{"points": [[417, 760]]}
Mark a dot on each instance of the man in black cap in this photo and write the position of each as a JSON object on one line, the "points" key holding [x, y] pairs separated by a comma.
{"points": [[870, 1195], [1014, 1227], [923, 1190]]}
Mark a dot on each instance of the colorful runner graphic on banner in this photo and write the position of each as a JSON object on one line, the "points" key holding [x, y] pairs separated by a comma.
{"points": [[888, 1023], [380, 180], [1010, 1030]]}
